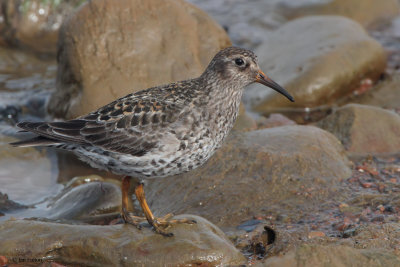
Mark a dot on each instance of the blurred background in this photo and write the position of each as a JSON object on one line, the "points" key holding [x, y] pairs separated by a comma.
{"points": [[322, 172]]}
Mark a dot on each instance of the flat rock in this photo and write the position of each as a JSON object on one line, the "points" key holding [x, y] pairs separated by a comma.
{"points": [[118, 245], [109, 49], [351, 124], [327, 61], [273, 170]]}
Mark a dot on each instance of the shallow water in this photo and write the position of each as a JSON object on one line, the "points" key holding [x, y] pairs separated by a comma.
{"points": [[27, 175]]}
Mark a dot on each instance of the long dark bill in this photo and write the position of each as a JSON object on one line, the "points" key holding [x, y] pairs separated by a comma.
{"points": [[265, 80]]}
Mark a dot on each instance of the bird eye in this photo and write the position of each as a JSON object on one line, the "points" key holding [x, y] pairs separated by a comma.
{"points": [[239, 62]]}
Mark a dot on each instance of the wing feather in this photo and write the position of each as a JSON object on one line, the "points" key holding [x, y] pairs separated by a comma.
{"points": [[128, 125]]}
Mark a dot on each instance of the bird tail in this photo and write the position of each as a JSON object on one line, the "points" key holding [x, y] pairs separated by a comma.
{"points": [[35, 141]]}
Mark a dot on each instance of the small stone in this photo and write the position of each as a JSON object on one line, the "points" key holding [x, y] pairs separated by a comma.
{"points": [[315, 234], [343, 206], [388, 208], [350, 232], [379, 218], [3, 261], [381, 208], [366, 185]]}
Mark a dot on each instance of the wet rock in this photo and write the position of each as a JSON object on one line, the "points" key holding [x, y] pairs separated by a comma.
{"points": [[109, 49], [328, 60], [26, 174], [265, 171], [33, 24], [8, 205], [368, 13], [333, 255], [351, 124], [91, 245], [84, 202]]}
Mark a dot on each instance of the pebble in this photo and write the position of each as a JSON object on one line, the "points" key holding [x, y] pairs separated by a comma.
{"points": [[315, 234]]}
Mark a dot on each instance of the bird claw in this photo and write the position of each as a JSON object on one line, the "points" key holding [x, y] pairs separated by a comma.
{"points": [[161, 224], [136, 221]]}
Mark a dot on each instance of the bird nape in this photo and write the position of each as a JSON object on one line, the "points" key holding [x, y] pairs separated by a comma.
{"points": [[160, 131]]}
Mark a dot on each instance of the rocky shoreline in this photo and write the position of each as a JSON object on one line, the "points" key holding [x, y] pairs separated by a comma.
{"points": [[311, 184]]}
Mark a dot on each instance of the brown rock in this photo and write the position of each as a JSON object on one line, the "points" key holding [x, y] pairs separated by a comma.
{"points": [[364, 129], [368, 12], [33, 24], [386, 94], [91, 245], [328, 60], [266, 171], [315, 234], [112, 48]]}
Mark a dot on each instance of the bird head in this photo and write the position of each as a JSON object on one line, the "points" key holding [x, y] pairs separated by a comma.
{"points": [[240, 67]]}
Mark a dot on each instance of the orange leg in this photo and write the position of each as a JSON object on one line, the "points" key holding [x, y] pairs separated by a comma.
{"points": [[127, 207], [159, 224]]}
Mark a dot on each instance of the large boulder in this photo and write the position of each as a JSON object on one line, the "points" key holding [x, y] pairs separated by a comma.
{"points": [[271, 171], [118, 245], [318, 60], [364, 129], [112, 48]]}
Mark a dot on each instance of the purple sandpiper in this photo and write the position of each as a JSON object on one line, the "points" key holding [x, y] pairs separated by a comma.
{"points": [[159, 131]]}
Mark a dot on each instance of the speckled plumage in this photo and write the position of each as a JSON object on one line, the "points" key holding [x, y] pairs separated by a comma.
{"points": [[159, 131]]}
